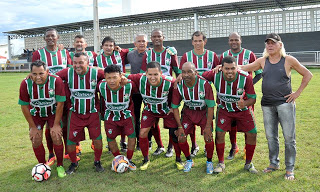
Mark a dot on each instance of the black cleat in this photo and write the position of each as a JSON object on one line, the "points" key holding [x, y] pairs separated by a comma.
{"points": [[98, 166], [72, 168]]}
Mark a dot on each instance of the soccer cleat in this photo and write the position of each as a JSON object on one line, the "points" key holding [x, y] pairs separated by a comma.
{"points": [[250, 167], [232, 153], [194, 151], [78, 149], [123, 146], [209, 167], [169, 152], [144, 165], [187, 167], [51, 160], [61, 172], [72, 168], [179, 165], [158, 151], [132, 166], [66, 156], [219, 168], [98, 166]]}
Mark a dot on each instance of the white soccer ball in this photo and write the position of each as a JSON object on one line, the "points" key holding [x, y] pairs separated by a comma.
{"points": [[41, 172], [120, 164]]}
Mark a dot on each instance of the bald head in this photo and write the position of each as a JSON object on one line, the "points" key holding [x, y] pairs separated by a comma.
{"points": [[235, 42], [189, 65]]}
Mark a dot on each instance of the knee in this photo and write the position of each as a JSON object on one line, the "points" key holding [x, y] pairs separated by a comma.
{"points": [[220, 137], [143, 133]]}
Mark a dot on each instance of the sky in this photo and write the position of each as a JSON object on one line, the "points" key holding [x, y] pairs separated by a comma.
{"points": [[26, 14]]}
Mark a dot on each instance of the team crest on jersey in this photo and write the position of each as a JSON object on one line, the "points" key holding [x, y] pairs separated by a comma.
{"points": [[165, 93], [245, 61], [75, 133], [201, 95], [126, 96], [51, 92], [209, 64], [240, 91], [110, 131], [185, 125], [144, 118], [222, 121], [93, 83], [168, 61]]}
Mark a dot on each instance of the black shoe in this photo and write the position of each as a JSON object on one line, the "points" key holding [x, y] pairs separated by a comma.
{"points": [[98, 166], [72, 168], [123, 146]]}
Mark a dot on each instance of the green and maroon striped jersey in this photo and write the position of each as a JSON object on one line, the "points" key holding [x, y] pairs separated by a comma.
{"points": [[244, 57], [83, 96], [55, 60], [117, 58], [42, 98], [167, 62], [91, 56], [118, 103], [205, 62], [157, 99], [197, 97], [229, 92]]}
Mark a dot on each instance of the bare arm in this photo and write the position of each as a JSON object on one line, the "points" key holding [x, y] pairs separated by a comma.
{"points": [[248, 102], [180, 132], [256, 65], [208, 129]]}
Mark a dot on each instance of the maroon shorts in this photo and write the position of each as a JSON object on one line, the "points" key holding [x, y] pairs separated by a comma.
{"points": [[148, 119], [115, 128], [190, 118], [41, 121], [244, 120], [77, 123]]}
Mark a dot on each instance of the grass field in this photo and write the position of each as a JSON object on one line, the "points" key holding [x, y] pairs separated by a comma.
{"points": [[17, 158]]}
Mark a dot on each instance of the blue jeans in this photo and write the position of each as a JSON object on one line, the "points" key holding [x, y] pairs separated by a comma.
{"points": [[285, 114]]}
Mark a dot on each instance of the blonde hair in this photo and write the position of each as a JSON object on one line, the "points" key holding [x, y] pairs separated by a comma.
{"points": [[282, 51]]}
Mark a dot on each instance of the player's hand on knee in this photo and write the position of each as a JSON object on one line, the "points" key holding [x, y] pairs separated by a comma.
{"points": [[207, 133], [56, 132], [180, 134]]}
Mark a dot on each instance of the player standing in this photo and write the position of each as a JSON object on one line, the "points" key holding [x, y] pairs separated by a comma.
{"points": [[80, 45]]}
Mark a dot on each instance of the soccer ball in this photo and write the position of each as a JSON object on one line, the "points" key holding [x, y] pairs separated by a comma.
{"points": [[41, 172], [120, 164]]}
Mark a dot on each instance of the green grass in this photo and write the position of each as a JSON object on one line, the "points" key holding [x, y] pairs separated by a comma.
{"points": [[17, 158]]}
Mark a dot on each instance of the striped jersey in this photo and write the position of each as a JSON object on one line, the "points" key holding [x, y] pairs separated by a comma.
{"points": [[55, 60], [83, 96], [197, 97], [156, 99], [229, 92], [118, 103], [91, 56], [244, 57], [42, 98], [205, 62], [167, 62], [117, 58]]}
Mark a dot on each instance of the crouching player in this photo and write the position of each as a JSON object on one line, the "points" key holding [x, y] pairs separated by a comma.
{"points": [[198, 109], [235, 95], [118, 114], [42, 97]]}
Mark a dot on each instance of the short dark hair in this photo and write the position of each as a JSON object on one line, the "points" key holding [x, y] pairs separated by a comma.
{"points": [[198, 33], [79, 37], [50, 29], [78, 54], [228, 59], [108, 39], [153, 64], [38, 63], [112, 68], [156, 30]]}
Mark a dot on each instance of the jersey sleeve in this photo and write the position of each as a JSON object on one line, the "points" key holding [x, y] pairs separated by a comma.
{"points": [[24, 98], [170, 92], [209, 98], [249, 88], [60, 93], [221, 57], [176, 99], [135, 78], [100, 75], [63, 74], [183, 60], [175, 65], [208, 75], [216, 61], [144, 63], [123, 54], [69, 60], [134, 88], [35, 56]]}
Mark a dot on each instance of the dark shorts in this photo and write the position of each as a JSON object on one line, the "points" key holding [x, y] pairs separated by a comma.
{"points": [[190, 118], [41, 121], [77, 123], [115, 128], [244, 120], [148, 119]]}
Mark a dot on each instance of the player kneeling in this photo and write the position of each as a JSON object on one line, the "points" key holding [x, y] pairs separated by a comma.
{"points": [[118, 114]]}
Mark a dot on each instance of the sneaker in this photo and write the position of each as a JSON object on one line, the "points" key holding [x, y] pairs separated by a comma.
{"points": [[66, 156], [61, 172], [51, 160], [232, 153], [132, 166], [179, 165], [188, 165], [144, 165], [78, 149], [123, 146], [169, 152], [250, 168], [158, 151], [150, 145], [194, 151], [98, 166], [72, 168], [209, 167], [219, 168]]}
